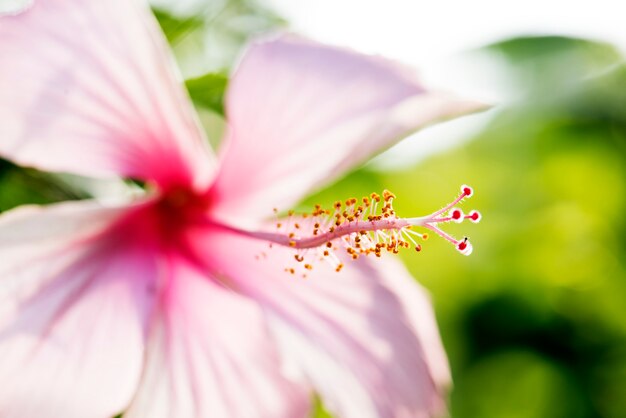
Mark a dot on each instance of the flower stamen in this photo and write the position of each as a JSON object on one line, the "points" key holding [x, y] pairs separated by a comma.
{"points": [[362, 229]]}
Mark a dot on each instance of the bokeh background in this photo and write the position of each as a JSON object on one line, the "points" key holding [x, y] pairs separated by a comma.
{"points": [[534, 322]]}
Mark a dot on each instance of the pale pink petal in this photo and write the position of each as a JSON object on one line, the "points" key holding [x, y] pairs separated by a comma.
{"points": [[74, 302], [416, 303], [300, 114], [87, 86], [210, 355], [347, 334]]}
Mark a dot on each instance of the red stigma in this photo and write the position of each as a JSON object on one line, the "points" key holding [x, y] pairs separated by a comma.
{"points": [[474, 216]]}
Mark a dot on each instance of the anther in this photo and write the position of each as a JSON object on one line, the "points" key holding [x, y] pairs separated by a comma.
{"points": [[387, 195]]}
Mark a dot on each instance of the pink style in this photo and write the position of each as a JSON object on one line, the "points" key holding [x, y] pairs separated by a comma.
{"points": [[173, 304]]}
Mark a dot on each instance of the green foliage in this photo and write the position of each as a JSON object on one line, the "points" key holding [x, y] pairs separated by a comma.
{"points": [[208, 91], [209, 37], [546, 67], [21, 185], [547, 52], [319, 411], [175, 28]]}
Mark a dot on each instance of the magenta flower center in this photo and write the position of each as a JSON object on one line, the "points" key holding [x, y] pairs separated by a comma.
{"points": [[178, 209], [166, 221]]}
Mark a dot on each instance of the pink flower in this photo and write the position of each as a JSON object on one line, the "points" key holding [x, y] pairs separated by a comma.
{"points": [[168, 305]]}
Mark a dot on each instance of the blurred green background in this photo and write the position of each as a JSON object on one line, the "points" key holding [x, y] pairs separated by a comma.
{"points": [[534, 322]]}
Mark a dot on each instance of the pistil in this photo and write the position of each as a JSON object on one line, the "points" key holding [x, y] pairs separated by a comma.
{"points": [[362, 227]]}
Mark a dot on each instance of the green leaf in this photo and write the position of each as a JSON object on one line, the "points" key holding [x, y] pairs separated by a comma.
{"points": [[174, 27], [21, 185], [319, 411], [522, 50], [208, 91], [549, 64]]}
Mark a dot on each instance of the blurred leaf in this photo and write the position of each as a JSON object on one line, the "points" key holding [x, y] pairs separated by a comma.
{"points": [[207, 36], [548, 64], [20, 185], [517, 384], [175, 28], [319, 411], [600, 104], [208, 91], [542, 49]]}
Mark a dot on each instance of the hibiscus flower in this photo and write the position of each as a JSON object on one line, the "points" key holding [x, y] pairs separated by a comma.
{"points": [[173, 304]]}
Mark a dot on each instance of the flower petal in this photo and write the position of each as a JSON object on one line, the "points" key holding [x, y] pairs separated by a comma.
{"points": [[210, 355], [73, 310], [301, 113], [88, 87], [417, 305], [347, 334]]}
